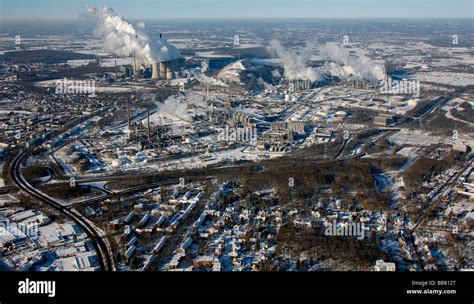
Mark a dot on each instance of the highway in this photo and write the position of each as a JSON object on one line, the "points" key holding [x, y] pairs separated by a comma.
{"points": [[124, 192], [100, 243]]}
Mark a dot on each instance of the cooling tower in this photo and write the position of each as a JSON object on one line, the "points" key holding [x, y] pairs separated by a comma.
{"points": [[169, 71], [162, 70], [154, 71]]}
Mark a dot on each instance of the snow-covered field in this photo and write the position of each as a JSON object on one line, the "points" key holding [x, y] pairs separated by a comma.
{"points": [[211, 54], [416, 138], [454, 79]]}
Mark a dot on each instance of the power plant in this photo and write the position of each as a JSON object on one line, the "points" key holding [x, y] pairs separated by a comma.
{"points": [[152, 58], [166, 67], [166, 70]]}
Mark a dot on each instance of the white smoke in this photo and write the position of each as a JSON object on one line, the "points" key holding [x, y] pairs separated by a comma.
{"points": [[204, 66], [348, 66], [181, 107], [173, 107], [276, 74], [294, 64], [197, 100], [204, 79], [122, 39], [341, 63]]}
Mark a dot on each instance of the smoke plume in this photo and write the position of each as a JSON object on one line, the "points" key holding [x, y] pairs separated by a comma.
{"points": [[339, 63], [181, 107], [204, 79], [348, 66], [294, 64], [173, 107], [122, 39]]}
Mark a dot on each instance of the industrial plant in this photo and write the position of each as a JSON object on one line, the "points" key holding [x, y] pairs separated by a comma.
{"points": [[141, 145], [167, 69]]}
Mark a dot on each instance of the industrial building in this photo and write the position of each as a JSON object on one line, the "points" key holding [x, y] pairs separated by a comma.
{"points": [[166, 67]]}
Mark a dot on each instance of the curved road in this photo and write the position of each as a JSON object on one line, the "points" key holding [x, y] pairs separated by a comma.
{"points": [[100, 243]]}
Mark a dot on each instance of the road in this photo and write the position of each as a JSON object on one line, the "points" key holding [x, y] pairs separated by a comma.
{"points": [[100, 243], [123, 192]]}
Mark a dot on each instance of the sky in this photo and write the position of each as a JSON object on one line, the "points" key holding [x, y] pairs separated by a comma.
{"points": [[237, 9]]}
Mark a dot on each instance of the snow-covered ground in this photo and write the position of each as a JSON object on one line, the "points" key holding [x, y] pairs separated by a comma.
{"points": [[415, 138], [454, 79], [212, 54], [195, 161]]}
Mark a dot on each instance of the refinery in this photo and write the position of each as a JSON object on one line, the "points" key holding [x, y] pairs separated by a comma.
{"points": [[160, 146]]}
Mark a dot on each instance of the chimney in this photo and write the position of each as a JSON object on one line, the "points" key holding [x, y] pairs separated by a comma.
{"points": [[136, 64]]}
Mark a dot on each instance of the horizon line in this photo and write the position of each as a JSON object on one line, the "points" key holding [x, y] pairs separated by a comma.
{"points": [[244, 18]]}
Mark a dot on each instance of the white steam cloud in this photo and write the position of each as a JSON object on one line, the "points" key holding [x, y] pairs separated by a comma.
{"points": [[204, 79], [181, 108], [204, 66], [173, 107], [122, 39], [348, 66], [340, 63], [294, 64]]}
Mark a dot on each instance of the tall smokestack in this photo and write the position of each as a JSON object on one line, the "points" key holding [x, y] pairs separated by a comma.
{"points": [[136, 64], [116, 77], [154, 71]]}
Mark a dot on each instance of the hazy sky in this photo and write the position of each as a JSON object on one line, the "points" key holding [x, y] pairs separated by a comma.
{"points": [[149, 9]]}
